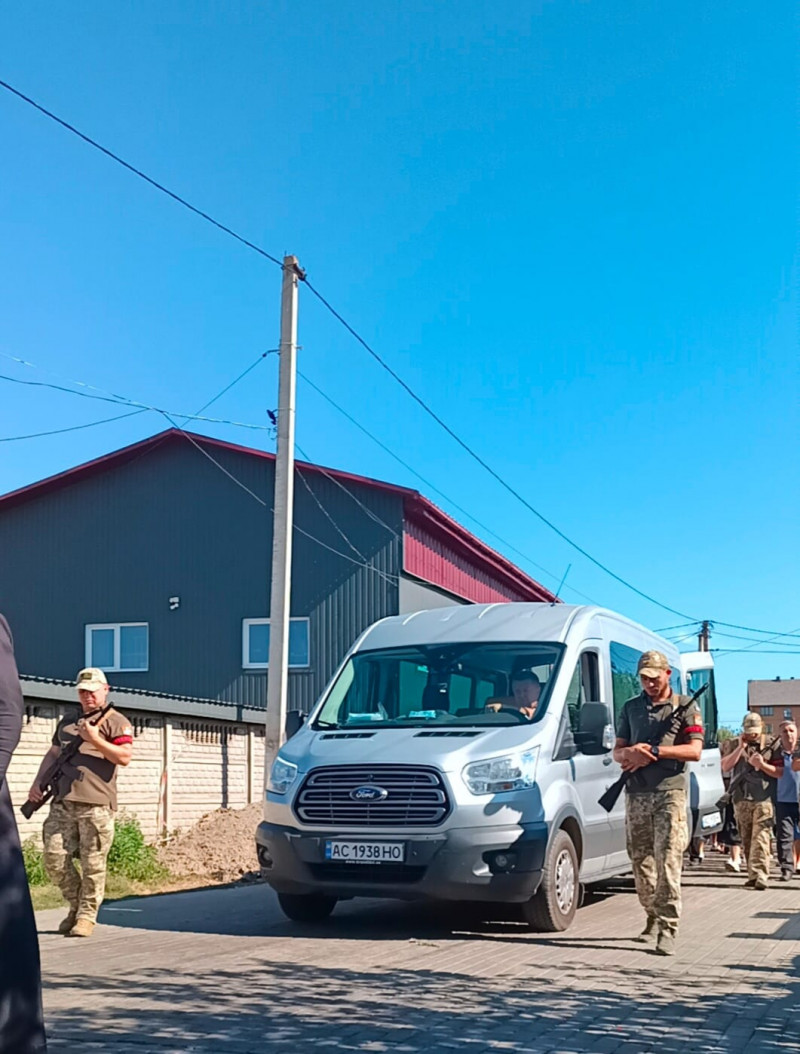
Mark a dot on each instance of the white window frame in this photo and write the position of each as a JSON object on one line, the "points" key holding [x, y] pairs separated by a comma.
{"points": [[116, 627], [248, 622]]}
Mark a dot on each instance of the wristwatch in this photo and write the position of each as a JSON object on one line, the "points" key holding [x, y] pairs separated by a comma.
{"points": [[655, 751]]}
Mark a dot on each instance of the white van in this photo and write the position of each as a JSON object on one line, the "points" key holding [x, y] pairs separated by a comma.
{"points": [[414, 777]]}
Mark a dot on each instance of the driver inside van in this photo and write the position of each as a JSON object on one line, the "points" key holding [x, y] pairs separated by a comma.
{"points": [[526, 689]]}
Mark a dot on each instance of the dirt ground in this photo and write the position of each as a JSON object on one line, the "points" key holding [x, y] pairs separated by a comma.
{"points": [[220, 846]]}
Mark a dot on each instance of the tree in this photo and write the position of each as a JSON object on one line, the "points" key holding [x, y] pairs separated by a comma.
{"points": [[724, 733]]}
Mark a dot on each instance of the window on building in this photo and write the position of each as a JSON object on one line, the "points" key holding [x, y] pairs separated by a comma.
{"points": [[767, 711], [118, 647], [255, 643], [768, 729]]}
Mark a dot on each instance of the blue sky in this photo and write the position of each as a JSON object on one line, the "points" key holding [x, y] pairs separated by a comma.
{"points": [[571, 227]]}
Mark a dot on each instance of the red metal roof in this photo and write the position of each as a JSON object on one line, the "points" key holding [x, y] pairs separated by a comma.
{"points": [[436, 548]]}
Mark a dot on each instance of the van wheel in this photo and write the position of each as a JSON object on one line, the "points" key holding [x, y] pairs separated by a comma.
{"points": [[310, 907], [552, 908]]}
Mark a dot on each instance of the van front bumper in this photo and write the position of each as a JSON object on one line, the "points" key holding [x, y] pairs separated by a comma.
{"points": [[484, 863]]}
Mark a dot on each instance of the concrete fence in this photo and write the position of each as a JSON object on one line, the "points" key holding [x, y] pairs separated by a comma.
{"points": [[189, 756]]}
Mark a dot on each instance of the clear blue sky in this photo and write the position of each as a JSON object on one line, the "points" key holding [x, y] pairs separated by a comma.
{"points": [[571, 226]]}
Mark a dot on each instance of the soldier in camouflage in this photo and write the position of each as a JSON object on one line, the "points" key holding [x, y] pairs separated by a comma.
{"points": [[754, 766], [81, 819], [656, 827]]}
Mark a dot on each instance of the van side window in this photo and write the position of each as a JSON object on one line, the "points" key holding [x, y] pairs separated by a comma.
{"points": [[583, 688], [708, 703], [624, 678]]}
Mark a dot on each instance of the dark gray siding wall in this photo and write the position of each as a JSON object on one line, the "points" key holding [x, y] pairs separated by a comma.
{"points": [[116, 546]]}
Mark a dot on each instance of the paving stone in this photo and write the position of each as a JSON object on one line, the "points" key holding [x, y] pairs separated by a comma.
{"points": [[221, 972]]}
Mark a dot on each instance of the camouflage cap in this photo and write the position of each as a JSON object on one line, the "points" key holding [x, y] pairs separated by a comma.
{"points": [[652, 663], [752, 722]]}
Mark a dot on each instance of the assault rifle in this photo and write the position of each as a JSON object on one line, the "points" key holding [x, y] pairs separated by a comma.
{"points": [[59, 767], [750, 750], [670, 723]]}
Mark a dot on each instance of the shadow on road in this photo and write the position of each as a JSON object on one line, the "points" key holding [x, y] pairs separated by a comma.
{"points": [[296, 1007], [209, 911]]}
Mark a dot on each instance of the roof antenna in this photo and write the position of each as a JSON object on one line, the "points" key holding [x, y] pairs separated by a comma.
{"points": [[560, 586]]}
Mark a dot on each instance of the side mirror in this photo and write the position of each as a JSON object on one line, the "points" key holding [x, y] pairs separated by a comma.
{"points": [[295, 719], [596, 729]]}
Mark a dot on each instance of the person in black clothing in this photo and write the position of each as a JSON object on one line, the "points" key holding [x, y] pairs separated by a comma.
{"points": [[21, 1025]]}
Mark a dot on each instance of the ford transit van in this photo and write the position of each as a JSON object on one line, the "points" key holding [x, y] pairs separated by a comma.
{"points": [[459, 754]]}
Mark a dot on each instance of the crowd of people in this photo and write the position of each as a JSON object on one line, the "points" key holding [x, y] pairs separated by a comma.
{"points": [[762, 778]]}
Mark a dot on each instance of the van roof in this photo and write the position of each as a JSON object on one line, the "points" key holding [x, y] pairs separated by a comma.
{"points": [[487, 622]]}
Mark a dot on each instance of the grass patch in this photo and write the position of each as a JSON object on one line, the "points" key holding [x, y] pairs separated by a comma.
{"points": [[130, 857], [133, 868]]}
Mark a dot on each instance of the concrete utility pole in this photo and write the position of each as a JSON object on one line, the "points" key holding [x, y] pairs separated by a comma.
{"points": [[702, 638], [282, 521]]}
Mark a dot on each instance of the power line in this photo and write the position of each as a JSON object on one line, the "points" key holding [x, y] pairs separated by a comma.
{"points": [[432, 487], [722, 652], [242, 375], [120, 417], [122, 401], [138, 172], [485, 464], [418, 399], [72, 428], [268, 507], [365, 561]]}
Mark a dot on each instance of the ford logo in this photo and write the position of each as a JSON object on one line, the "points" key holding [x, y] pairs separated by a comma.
{"points": [[369, 793]]}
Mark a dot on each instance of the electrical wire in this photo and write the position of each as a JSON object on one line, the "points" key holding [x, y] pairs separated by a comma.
{"points": [[121, 417], [410, 391], [138, 172], [418, 399], [485, 464], [434, 489], [122, 401], [269, 508], [72, 428]]}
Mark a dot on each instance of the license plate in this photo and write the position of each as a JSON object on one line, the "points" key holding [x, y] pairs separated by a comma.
{"points": [[366, 852], [711, 819]]}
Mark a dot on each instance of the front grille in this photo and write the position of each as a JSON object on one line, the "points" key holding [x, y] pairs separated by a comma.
{"points": [[372, 873], [415, 797]]}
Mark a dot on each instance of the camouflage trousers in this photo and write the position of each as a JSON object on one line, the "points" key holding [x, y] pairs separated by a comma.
{"points": [[75, 829], [657, 836], [754, 820]]}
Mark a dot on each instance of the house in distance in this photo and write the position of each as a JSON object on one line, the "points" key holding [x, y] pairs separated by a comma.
{"points": [[154, 562]]}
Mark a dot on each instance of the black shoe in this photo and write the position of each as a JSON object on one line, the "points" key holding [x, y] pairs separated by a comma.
{"points": [[786, 876]]}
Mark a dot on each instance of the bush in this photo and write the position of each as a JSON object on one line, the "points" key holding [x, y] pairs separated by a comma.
{"points": [[34, 864], [130, 856]]}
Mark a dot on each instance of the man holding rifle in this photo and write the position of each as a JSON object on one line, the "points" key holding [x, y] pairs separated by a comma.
{"points": [[754, 765], [656, 793], [81, 819]]}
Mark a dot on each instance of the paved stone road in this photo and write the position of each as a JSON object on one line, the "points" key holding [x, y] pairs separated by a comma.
{"points": [[220, 972]]}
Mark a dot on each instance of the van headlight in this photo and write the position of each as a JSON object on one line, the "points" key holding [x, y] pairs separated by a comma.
{"points": [[282, 775], [508, 773]]}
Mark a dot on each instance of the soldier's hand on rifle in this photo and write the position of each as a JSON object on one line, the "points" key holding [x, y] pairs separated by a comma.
{"points": [[756, 761], [636, 757], [35, 794], [89, 732]]}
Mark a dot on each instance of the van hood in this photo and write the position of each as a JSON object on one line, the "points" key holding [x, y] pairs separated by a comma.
{"points": [[446, 750]]}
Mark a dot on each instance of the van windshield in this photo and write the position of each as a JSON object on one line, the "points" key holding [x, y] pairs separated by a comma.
{"points": [[458, 684]]}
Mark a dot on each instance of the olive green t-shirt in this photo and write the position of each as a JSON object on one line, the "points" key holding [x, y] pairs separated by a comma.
{"points": [[96, 780], [747, 783], [637, 723]]}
